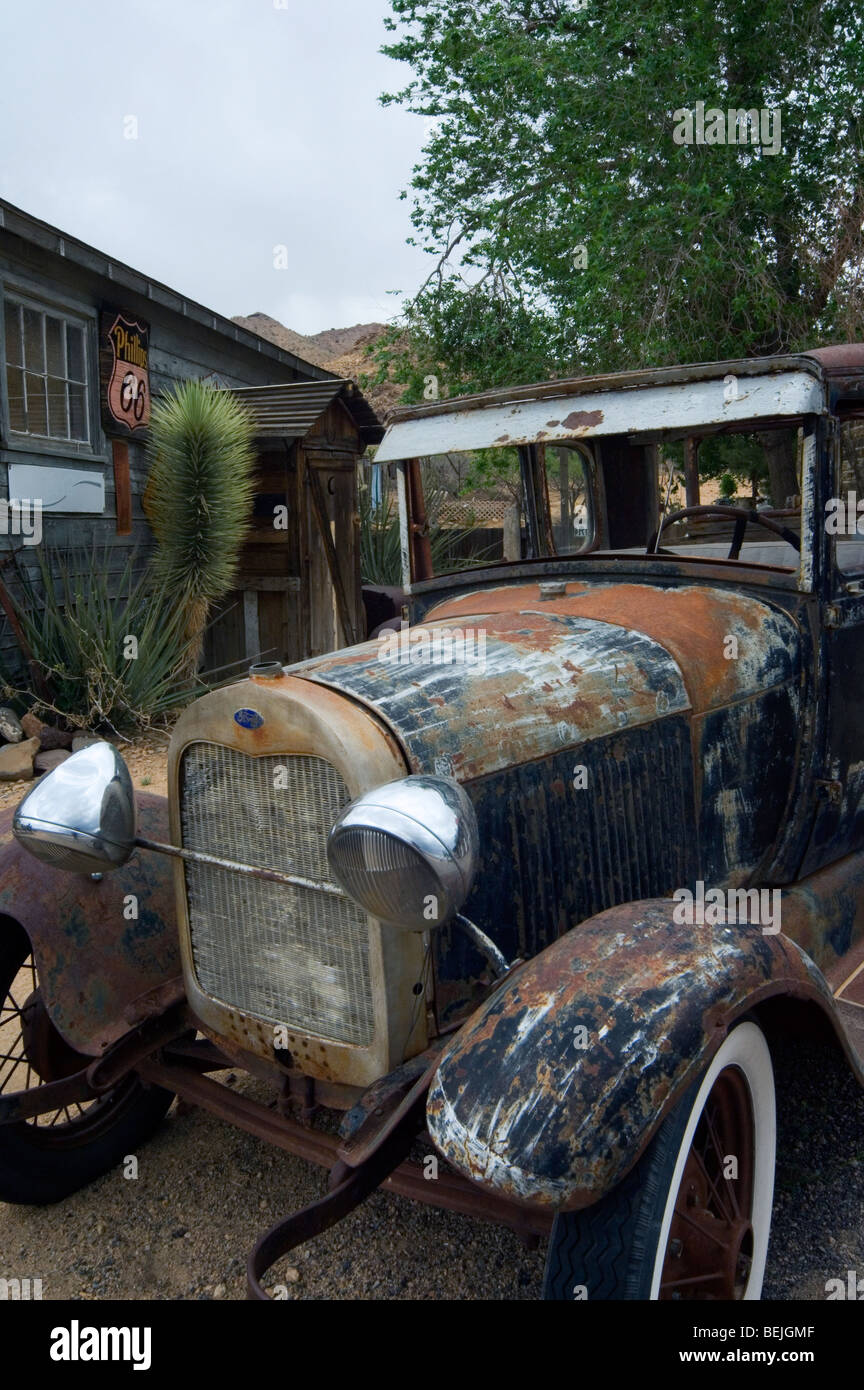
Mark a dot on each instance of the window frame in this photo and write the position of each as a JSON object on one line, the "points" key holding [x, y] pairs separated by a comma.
{"points": [[589, 471], [850, 580], [79, 316]]}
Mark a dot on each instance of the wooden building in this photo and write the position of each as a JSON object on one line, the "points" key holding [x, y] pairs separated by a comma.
{"points": [[85, 343]]}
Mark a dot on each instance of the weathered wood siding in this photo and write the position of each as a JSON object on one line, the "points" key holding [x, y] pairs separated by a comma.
{"points": [[181, 346]]}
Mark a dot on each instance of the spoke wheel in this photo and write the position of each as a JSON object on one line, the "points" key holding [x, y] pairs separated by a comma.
{"points": [[32, 1053], [710, 1249], [49, 1156], [691, 1220]]}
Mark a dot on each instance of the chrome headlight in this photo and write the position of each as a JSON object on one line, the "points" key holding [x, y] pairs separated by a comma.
{"points": [[81, 816], [407, 852]]}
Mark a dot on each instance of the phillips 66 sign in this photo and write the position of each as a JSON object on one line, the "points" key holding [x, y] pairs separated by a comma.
{"points": [[124, 352]]}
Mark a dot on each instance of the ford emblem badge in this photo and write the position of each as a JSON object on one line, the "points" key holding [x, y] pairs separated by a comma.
{"points": [[248, 719]]}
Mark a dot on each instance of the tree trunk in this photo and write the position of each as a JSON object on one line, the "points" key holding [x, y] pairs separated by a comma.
{"points": [[781, 458], [691, 472]]}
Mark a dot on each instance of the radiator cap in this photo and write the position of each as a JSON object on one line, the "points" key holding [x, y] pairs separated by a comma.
{"points": [[266, 670]]}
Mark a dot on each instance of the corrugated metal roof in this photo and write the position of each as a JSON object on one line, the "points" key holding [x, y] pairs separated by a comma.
{"points": [[289, 410]]}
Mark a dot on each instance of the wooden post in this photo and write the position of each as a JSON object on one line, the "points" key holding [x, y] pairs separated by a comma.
{"points": [[421, 549], [691, 472], [512, 543], [252, 635], [566, 532], [122, 486]]}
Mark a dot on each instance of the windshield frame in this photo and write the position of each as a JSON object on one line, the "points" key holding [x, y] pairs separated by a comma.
{"points": [[814, 562]]}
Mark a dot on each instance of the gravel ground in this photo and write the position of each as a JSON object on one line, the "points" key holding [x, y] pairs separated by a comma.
{"points": [[205, 1191], [818, 1230], [145, 756]]}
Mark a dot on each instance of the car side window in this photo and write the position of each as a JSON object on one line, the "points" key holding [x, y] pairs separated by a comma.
{"points": [[845, 511], [569, 499]]}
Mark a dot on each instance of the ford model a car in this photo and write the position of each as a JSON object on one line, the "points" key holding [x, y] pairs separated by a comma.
{"points": [[533, 883]]}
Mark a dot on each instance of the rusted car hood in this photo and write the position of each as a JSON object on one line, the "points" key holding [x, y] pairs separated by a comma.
{"points": [[559, 672]]}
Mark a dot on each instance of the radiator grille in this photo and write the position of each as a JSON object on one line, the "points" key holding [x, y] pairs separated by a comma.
{"points": [[288, 955]]}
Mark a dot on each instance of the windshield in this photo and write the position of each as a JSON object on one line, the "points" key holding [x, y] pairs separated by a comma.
{"points": [[570, 509], [475, 510], [740, 494], [727, 495]]}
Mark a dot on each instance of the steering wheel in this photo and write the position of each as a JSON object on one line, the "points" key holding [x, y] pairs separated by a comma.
{"points": [[740, 515]]}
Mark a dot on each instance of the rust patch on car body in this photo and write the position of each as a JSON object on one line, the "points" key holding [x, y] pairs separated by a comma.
{"points": [[582, 420], [553, 1088], [96, 961]]}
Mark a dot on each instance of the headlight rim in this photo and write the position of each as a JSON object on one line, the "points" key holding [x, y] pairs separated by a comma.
{"points": [[450, 857]]}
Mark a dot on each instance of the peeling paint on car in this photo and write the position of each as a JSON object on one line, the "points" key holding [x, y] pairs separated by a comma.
{"points": [[655, 998]]}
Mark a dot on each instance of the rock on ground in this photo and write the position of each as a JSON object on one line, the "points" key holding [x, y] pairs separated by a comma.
{"points": [[32, 725], [47, 761], [51, 738], [10, 725], [16, 760]]}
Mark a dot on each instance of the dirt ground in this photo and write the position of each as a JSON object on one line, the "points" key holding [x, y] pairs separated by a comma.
{"points": [[146, 757], [205, 1191]]}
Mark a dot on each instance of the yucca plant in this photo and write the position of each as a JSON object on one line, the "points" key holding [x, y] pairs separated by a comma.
{"points": [[107, 649], [380, 545], [199, 497]]}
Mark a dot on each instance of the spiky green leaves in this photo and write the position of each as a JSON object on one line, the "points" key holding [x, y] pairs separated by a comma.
{"points": [[108, 648], [199, 495]]}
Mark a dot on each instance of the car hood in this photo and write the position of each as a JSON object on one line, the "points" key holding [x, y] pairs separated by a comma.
{"points": [[534, 675]]}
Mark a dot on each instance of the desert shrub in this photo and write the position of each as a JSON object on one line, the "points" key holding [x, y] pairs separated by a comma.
{"points": [[103, 649]]}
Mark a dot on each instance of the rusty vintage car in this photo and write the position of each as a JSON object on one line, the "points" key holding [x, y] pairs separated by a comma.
{"points": [[530, 886]]}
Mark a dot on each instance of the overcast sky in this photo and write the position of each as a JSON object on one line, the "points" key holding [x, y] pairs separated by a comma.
{"points": [[257, 127]]}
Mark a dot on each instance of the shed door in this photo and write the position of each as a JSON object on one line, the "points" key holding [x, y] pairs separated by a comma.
{"points": [[335, 608], [260, 618]]}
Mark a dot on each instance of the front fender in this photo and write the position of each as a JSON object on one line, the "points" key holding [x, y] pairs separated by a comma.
{"points": [[551, 1091], [96, 957]]}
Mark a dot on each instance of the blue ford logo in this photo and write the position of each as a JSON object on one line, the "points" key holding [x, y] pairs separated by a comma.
{"points": [[248, 719]]}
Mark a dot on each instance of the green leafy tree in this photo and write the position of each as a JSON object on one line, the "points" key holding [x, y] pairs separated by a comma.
{"points": [[739, 462], [570, 232], [495, 470]]}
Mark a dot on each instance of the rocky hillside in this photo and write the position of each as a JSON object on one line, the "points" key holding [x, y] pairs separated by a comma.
{"points": [[339, 350], [320, 348]]}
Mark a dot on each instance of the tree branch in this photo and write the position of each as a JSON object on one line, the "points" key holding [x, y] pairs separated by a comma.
{"points": [[849, 240]]}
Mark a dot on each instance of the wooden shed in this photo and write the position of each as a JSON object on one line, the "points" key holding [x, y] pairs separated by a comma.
{"points": [[298, 591]]}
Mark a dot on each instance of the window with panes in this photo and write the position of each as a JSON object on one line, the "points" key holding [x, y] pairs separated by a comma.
{"points": [[46, 372]]}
